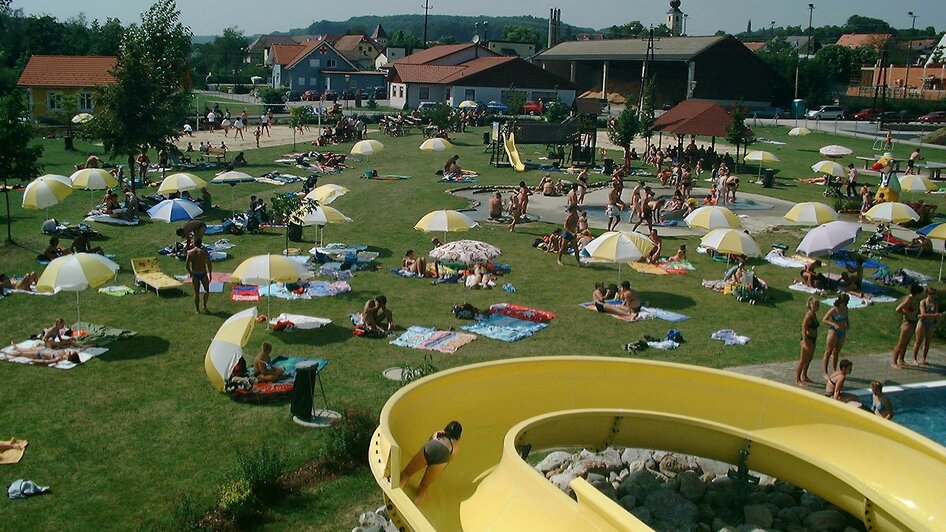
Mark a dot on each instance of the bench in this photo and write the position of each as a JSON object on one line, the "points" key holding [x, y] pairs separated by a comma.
{"points": [[218, 153]]}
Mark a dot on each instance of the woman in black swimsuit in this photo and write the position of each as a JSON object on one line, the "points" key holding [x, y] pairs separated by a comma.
{"points": [[434, 456], [809, 335], [910, 309], [834, 384]]}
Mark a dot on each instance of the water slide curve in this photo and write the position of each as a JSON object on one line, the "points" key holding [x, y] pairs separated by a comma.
{"points": [[891, 477]]}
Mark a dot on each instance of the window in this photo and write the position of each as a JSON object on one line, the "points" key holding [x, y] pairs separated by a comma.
{"points": [[314, 63], [301, 81], [424, 93], [54, 100], [85, 103], [331, 63], [393, 91], [313, 81], [469, 94], [400, 91]]}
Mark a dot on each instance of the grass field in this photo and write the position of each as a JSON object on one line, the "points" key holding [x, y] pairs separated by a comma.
{"points": [[123, 437]]}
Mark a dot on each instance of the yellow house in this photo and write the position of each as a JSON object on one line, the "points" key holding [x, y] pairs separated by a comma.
{"points": [[48, 78]]}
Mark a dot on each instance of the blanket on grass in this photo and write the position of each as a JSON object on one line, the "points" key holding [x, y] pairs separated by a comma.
{"points": [[504, 328], [387, 177], [305, 290], [300, 321], [118, 290], [652, 269], [778, 258], [676, 266], [106, 219], [431, 339], [522, 313], [730, 337], [12, 456], [99, 335], [244, 293], [646, 313], [85, 354]]}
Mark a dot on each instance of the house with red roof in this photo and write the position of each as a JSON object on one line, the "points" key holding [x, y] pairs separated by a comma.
{"points": [[877, 41], [47, 79], [457, 72]]}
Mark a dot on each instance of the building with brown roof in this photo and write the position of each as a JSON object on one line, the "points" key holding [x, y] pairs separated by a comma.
{"points": [[47, 79], [454, 73], [856, 40], [358, 49], [318, 66]]}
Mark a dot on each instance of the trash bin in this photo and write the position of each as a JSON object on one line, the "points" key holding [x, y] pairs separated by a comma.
{"points": [[768, 178], [486, 138], [295, 232], [68, 139], [608, 166]]}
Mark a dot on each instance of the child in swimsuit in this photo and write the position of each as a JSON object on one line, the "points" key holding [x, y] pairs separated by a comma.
{"points": [[433, 457], [880, 403]]}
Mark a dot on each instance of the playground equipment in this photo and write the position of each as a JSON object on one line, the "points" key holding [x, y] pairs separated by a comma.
{"points": [[512, 153], [887, 475], [573, 141]]}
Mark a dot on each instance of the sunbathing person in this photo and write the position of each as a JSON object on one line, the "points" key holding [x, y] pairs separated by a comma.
{"points": [[812, 278], [54, 337], [44, 356], [26, 283], [413, 264], [630, 306], [376, 313], [192, 232], [53, 251], [82, 244], [263, 365], [681, 254], [481, 277], [603, 293]]}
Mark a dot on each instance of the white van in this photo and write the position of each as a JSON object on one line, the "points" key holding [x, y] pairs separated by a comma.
{"points": [[827, 112]]}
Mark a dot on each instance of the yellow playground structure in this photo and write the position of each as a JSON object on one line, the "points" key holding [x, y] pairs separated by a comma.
{"points": [[890, 477]]}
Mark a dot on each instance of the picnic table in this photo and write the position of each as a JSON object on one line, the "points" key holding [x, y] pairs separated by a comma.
{"points": [[868, 161], [934, 167]]}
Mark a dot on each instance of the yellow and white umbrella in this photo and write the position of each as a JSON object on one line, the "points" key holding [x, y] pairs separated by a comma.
{"points": [[232, 177], [93, 179], [263, 270], [226, 348], [916, 183], [761, 156], [326, 194], [892, 212], [180, 182], [76, 273], [367, 147], [467, 104], [731, 242], [446, 221], [713, 217], [46, 191], [82, 118], [828, 167], [619, 247], [938, 233], [835, 151], [320, 215], [798, 131], [811, 213], [436, 144]]}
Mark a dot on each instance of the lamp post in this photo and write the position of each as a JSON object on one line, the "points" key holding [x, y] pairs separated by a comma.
{"points": [[772, 30], [906, 77], [811, 11], [347, 88]]}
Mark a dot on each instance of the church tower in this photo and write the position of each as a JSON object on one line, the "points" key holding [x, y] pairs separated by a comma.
{"points": [[675, 18]]}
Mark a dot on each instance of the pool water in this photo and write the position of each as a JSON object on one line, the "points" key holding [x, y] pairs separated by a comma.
{"points": [[922, 409]]}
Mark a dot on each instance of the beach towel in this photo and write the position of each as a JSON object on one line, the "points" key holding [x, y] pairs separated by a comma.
{"points": [[326, 289], [117, 290], [431, 339], [522, 313], [800, 287], [400, 272], [459, 178], [504, 328], [106, 219], [729, 337], [21, 489], [802, 259], [386, 177], [300, 321], [12, 456], [849, 263], [8, 291], [99, 335], [664, 344], [778, 258], [641, 316], [244, 293], [652, 269], [676, 266], [85, 354]]}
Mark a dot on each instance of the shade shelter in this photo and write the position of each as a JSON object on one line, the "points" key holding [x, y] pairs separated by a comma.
{"points": [[695, 117]]}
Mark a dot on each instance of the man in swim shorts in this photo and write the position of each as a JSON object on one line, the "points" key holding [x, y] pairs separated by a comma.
{"points": [[199, 267], [569, 233]]}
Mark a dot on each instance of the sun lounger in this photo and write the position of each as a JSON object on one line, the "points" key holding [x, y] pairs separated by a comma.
{"points": [[148, 272]]}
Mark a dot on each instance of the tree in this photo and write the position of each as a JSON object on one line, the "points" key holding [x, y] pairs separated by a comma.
{"points": [[737, 133], [555, 111], [401, 39], [522, 34], [514, 99], [299, 116], [19, 157], [625, 129], [223, 57], [628, 31], [150, 98]]}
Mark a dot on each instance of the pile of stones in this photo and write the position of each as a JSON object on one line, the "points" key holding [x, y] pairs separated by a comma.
{"points": [[677, 492]]}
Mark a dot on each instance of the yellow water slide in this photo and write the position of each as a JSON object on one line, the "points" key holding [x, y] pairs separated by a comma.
{"points": [[888, 476], [509, 141]]}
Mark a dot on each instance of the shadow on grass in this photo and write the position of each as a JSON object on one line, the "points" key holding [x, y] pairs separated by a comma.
{"points": [[330, 334], [667, 300], [776, 296], [136, 347]]}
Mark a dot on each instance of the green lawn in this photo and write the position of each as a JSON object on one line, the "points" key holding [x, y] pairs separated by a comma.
{"points": [[123, 437]]}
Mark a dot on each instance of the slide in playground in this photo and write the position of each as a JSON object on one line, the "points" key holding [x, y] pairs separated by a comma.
{"points": [[888, 476], [509, 141]]}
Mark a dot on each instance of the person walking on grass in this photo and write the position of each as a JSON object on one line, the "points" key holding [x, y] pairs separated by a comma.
{"points": [[200, 269], [569, 235]]}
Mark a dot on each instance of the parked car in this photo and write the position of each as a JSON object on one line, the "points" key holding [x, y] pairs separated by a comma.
{"points": [[311, 96], [330, 95], [349, 94], [380, 93], [935, 116], [904, 116], [533, 108], [497, 107], [870, 113], [425, 107], [827, 112]]}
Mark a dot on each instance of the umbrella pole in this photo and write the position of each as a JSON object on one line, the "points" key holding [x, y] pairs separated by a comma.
{"points": [[619, 272], [78, 312]]}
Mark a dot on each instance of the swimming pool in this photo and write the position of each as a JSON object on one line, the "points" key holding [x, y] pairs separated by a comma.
{"points": [[921, 408]]}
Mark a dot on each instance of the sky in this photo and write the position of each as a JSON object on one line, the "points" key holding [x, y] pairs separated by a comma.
{"points": [[705, 17]]}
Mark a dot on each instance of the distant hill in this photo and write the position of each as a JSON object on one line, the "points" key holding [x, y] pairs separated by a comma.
{"points": [[459, 28]]}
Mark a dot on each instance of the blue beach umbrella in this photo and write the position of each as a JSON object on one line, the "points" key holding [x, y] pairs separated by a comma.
{"points": [[175, 210]]}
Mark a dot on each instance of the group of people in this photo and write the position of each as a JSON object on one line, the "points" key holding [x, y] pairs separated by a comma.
{"points": [[346, 129], [58, 345], [224, 120]]}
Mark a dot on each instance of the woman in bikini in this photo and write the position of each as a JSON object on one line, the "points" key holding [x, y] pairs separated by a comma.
{"points": [[54, 337], [929, 317], [630, 306], [910, 309], [434, 456], [838, 325], [880, 403], [834, 383], [413, 264], [809, 336], [44, 356]]}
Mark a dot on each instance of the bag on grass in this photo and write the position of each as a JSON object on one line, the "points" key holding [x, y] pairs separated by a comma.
{"points": [[465, 311]]}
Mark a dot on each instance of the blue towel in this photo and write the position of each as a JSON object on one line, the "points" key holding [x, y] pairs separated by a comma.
{"points": [[21, 489], [869, 263], [505, 328]]}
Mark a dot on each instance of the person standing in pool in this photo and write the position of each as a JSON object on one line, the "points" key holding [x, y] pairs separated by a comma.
{"points": [[200, 269], [910, 309], [433, 458], [880, 403], [809, 336], [838, 325], [930, 314]]}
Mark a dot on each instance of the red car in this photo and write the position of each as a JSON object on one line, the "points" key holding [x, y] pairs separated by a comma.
{"points": [[533, 108], [311, 96], [935, 116], [867, 114]]}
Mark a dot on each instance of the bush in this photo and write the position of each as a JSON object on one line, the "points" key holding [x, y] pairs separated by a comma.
{"points": [[261, 470], [371, 103], [274, 97], [350, 438], [936, 137], [241, 89], [186, 515], [236, 498]]}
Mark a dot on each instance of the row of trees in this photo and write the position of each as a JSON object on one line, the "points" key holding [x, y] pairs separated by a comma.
{"points": [[830, 33]]}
